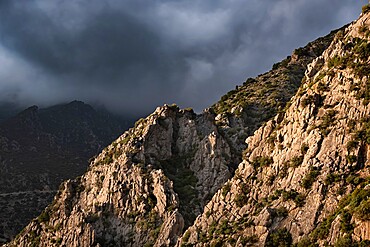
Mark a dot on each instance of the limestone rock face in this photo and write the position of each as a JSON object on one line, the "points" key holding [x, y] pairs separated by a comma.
{"points": [[304, 174], [142, 189]]}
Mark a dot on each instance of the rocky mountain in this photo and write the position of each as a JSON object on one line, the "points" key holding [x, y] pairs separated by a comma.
{"points": [[242, 111], [304, 178], [181, 179], [40, 148]]}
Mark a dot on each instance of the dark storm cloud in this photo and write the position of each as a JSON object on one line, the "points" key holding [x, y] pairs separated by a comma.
{"points": [[134, 55]]}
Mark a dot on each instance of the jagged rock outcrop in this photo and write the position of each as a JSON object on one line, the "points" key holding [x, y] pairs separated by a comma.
{"points": [[243, 110], [304, 178], [40, 148], [130, 195]]}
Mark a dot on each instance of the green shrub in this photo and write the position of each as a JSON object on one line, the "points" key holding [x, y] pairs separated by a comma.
{"points": [[363, 243], [108, 158], [299, 200], [353, 179], [226, 189], [344, 242], [351, 145], [293, 195], [301, 51], [223, 228], [186, 237], [365, 8], [281, 212], [270, 180], [364, 30], [241, 199], [345, 222], [310, 177], [327, 121], [296, 161], [306, 242], [307, 100], [322, 231], [332, 178], [354, 199], [44, 216], [351, 159], [249, 240], [321, 87], [335, 61], [279, 238], [304, 149], [363, 210], [262, 161], [289, 195]]}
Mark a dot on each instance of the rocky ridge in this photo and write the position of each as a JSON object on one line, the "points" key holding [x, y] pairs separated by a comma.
{"points": [[148, 186], [125, 199], [304, 178], [242, 111]]}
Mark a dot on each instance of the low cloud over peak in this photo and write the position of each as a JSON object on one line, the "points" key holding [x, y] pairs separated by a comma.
{"points": [[133, 55]]}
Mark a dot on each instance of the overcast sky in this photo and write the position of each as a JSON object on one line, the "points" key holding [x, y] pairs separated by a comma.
{"points": [[133, 55]]}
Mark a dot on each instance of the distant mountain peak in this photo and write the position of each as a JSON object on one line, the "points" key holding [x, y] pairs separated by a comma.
{"points": [[39, 148]]}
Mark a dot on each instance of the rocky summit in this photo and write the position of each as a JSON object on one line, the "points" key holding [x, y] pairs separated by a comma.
{"points": [[280, 161]]}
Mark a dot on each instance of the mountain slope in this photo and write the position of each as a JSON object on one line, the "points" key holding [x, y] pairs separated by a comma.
{"points": [[125, 198], [243, 110], [39, 148], [305, 176], [149, 185]]}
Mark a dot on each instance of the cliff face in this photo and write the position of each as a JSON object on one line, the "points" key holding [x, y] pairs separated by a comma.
{"points": [[125, 199], [171, 180], [305, 174], [242, 111]]}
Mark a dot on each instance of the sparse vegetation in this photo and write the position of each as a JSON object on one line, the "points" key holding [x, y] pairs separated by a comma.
{"points": [[306, 242], [345, 222], [279, 238], [351, 158], [262, 161], [362, 211], [310, 177], [365, 8], [304, 148], [44, 216], [352, 145], [228, 229], [185, 238], [226, 189], [184, 183], [281, 212], [243, 195], [332, 178], [296, 161], [327, 121], [298, 198], [322, 230]]}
